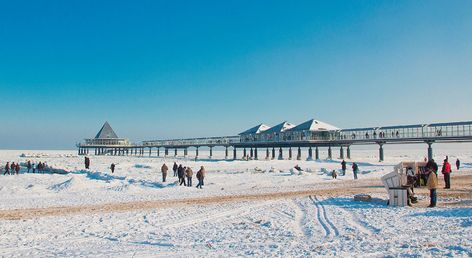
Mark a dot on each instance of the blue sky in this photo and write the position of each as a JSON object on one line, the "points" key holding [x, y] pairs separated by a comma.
{"points": [[167, 69]]}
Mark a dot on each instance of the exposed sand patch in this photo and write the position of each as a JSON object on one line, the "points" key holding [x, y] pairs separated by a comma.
{"points": [[462, 188]]}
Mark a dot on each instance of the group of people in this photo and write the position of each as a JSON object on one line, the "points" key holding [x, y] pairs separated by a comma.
{"points": [[14, 168], [185, 174], [355, 169], [432, 182], [429, 175]]}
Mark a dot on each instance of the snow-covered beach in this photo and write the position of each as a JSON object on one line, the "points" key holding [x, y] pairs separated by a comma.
{"points": [[246, 208]]}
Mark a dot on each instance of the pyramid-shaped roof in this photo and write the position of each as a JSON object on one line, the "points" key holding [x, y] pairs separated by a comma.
{"points": [[314, 125], [256, 129], [106, 132], [280, 127]]}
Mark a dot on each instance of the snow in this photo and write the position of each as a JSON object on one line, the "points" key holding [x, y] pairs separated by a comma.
{"points": [[295, 226]]}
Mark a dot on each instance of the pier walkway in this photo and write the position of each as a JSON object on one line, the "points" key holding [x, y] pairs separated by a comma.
{"points": [[297, 139]]}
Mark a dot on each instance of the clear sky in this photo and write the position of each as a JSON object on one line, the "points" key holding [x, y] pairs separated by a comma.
{"points": [[167, 69]]}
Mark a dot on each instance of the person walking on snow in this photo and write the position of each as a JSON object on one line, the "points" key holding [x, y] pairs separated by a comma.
{"points": [[164, 170], [87, 162], [200, 177], [17, 168], [39, 166], [458, 164], [432, 184], [189, 174], [7, 168], [112, 167], [175, 168], [181, 174], [446, 171], [343, 167], [355, 169], [28, 166], [12, 168]]}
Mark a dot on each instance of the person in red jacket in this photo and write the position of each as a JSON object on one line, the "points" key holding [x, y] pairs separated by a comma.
{"points": [[446, 170]]}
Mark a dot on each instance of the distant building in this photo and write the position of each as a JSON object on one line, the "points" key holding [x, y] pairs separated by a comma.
{"points": [[107, 137], [309, 130]]}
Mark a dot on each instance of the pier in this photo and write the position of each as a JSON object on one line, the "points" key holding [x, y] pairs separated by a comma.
{"points": [[271, 141]]}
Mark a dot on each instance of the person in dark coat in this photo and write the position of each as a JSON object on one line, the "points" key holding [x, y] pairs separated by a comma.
{"points": [[7, 168], [28, 166], [355, 169], [175, 168], [112, 167], [343, 167], [446, 171], [12, 168], [181, 174], [39, 167], [164, 170], [200, 177], [17, 168], [34, 168], [87, 162], [458, 164]]}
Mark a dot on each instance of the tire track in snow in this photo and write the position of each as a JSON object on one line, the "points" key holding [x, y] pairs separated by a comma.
{"points": [[326, 217], [319, 217], [328, 226]]}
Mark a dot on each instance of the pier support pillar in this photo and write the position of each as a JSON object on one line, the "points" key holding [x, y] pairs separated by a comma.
{"points": [[150, 151], [381, 152], [267, 154], [234, 153], [430, 150], [196, 152], [341, 152], [185, 152], [251, 153], [317, 153], [348, 152], [281, 156], [290, 153], [158, 151], [226, 152], [299, 154], [244, 153], [255, 153], [211, 152], [175, 152], [166, 152], [330, 153], [310, 154], [273, 153]]}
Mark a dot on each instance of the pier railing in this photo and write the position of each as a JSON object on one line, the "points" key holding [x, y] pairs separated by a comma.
{"points": [[455, 131], [206, 141]]}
